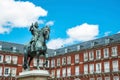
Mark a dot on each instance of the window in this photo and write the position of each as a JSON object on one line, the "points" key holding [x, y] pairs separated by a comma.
{"points": [[53, 73], [77, 58], [76, 70], [106, 67], [91, 68], [58, 62], [52, 63], [58, 73], [99, 78], [92, 44], [0, 70], [78, 47], [66, 50], [68, 59], [13, 71], [14, 49], [92, 78], [115, 65], [8, 59], [35, 62], [68, 71], [85, 56], [116, 78], [1, 58], [98, 54], [14, 59], [64, 61], [0, 47], [85, 69], [98, 68], [106, 53], [114, 51], [91, 55], [6, 71], [107, 78], [41, 62], [107, 41], [64, 72], [55, 53]]}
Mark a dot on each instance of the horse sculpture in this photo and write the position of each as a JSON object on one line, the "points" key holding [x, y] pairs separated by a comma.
{"points": [[39, 46]]}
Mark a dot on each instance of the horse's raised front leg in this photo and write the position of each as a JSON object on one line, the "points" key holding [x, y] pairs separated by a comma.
{"points": [[38, 67]]}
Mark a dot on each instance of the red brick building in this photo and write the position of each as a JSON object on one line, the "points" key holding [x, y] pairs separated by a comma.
{"points": [[97, 59]]}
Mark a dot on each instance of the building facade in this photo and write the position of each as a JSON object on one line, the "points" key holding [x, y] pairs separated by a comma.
{"points": [[97, 59]]}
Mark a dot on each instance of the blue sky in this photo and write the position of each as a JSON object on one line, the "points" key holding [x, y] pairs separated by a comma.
{"points": [[71, 21]]}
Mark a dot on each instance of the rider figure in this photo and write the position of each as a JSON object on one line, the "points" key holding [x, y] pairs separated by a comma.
{"points": [[34, 31]]}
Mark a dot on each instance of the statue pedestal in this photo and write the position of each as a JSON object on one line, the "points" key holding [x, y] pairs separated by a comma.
{"points": [[34, 75]]}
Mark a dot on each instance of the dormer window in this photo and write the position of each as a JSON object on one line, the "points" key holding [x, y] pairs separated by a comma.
{"points": [[14, 49], [55, 53], [93, 44], [107, 40], [78, 47], [66, 50], [0, 47]]}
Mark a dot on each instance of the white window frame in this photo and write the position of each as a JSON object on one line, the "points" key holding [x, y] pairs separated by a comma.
{"points": [[91, 55], [58, 73], [99, 78], [58, 61], [8, 72], [63, 60], [13, 71], [115, 65], [68, 59], [77, 58], [64, 72], [53, 73], [92, 78], [69, 71], [14, 59], [0, 70], [85, 56], [106, 52], [106, 67], [77, 72], [98, 54], [98, 67], [116, 78], [91, 67], [114, 51], [107, 78], [86, 69], [1, 60], [8, 58], [52, 63]]}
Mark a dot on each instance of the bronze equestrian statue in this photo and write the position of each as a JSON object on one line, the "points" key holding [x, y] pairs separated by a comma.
{"points": [[37, 45]]}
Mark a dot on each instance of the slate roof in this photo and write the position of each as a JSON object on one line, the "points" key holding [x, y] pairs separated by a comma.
{"points": [[7, 46]]}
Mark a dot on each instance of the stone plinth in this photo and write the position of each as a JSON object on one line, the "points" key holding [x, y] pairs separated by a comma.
{"points": [[34, 75]]}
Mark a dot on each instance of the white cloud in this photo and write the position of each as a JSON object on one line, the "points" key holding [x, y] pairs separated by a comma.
{"points": [[18, 14], [107, 33], [82, 32], [118, 32], [50, 23]]}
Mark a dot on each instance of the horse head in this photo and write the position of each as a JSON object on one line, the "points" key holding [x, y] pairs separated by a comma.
{"points": [[46, 32]]}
